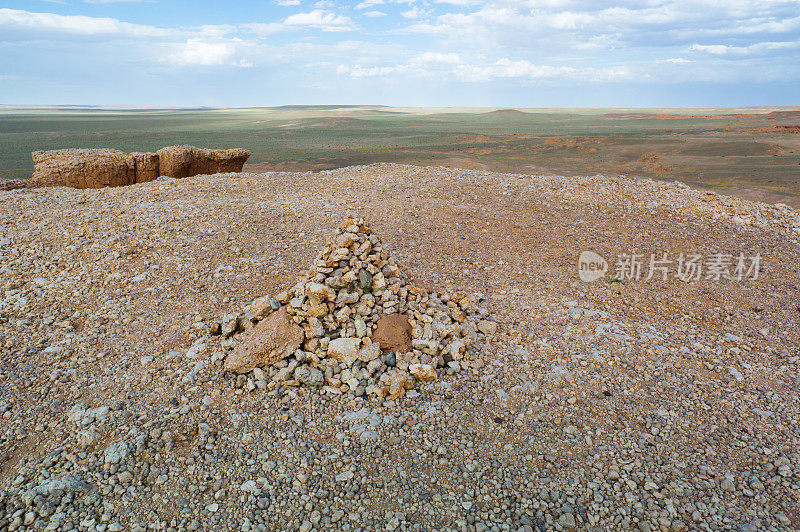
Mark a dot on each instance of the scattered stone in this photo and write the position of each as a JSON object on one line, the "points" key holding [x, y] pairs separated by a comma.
{"points": [[487, 327], [422, 372], [56, 487], [117, 452], [516, 431], [88, 437], [309, 376]]}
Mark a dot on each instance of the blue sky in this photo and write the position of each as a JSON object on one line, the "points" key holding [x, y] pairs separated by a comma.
{"points": [[498, 53]]}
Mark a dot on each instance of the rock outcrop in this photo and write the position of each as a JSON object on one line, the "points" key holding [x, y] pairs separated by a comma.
{"points": [[98, 168], [146, 166], [186, 161], [89, 168]]}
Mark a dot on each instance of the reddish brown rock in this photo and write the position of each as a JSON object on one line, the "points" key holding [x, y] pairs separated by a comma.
{"points": [[187, 161], [97, 168], [271, 340], [180, 161], [393, 332], [145, 166], [89, 168], [224, 161]]}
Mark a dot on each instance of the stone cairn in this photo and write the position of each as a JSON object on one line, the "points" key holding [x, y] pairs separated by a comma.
{"points": [[354, 324]]}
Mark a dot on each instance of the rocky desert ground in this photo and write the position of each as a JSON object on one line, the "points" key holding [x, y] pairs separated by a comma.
{"points": [[619, 404]]}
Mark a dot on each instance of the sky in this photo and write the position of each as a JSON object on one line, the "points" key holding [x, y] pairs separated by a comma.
{"points": [[495, 53]]}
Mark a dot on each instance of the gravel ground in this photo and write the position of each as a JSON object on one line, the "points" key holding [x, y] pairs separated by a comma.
{"points": [[645, 405]]}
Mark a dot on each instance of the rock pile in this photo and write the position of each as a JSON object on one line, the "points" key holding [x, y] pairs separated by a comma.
{"points": [[353, 323], [97, 168]]}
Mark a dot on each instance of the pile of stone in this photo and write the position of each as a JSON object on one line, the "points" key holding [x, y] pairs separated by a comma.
{"points": [[354, 324], [97, 168]]}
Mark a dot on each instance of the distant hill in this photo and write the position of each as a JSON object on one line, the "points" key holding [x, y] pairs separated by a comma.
{"points": [[323, 107], [507, 113]]}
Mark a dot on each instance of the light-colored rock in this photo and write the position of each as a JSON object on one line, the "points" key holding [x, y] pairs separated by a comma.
{"points": [[395, 383], [487, 327], [361, 327], [318, 293], [456, 349], [309, 376], [317, 311], [230, 324], [345, 297], [116, 452], [262, 307], [422, 372], [369, 353], [88, 437], [55, 487], [344, 349]]}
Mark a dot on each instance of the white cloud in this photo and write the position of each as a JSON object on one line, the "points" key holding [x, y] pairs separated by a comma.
{"points": [[755, 48], [264, 29], [416, 12], [197, 51], [436, 57], [369, 3], [115, 1], [76, 24], [453, 67], [357, 71], [586, 25], [374, 14], [288, 3], [323, 20], [506, 68], [715, 49]]}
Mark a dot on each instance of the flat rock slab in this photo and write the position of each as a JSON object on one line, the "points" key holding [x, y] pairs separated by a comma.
{"points": [[271, 340]]}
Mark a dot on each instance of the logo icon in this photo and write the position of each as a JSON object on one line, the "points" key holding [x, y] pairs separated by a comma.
{"points": [[591, 266]]}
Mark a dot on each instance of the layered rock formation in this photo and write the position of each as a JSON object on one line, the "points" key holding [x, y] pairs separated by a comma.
{"points": [[146, 166], [92, 168], [98, 168], [186, 161]]}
